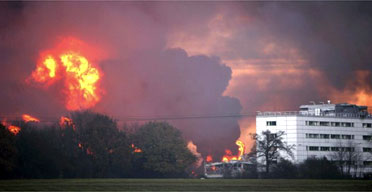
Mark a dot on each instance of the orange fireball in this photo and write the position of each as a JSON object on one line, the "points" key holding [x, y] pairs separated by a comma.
{"points": [[70, 62]]}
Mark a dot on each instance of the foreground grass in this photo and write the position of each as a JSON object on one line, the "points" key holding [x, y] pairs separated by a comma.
{"points": [[183, 185]]}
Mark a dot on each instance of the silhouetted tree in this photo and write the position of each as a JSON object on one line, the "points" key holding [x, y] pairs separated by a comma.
{"points": [[99, 138], [164, 151], [313, 168], [346, 156], [38, 151], [8, 153], [284, 169], [269, 145]]}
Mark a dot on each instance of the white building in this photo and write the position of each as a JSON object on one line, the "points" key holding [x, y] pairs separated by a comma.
{"points": [[320, 130]]}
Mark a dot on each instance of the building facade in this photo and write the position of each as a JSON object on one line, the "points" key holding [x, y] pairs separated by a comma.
{"points": [[324, 130]]}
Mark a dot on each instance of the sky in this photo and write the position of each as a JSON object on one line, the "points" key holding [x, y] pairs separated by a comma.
{"points": [[176, 59]]}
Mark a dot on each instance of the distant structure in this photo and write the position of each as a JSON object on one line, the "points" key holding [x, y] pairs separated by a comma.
{"points": [[324, 130]]}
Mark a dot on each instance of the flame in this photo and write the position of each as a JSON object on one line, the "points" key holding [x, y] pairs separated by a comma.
{"points": [[11, 128], [66, 122], [228, 154], [68, 62], [209, 158], [29, 118], [45, 70], [194, 150], [136, 150]]}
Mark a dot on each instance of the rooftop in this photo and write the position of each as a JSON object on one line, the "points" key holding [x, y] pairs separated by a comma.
{"points": [[342, 110]]}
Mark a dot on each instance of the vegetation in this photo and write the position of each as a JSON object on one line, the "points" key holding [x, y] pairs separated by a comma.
{"points": [[90, 145], [184, 185], [268, 147]]}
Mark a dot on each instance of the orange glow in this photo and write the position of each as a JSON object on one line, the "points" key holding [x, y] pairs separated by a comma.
{"points": [[228, 154], [11, 128], [81, 79], [194, 150], [45, 69], [209, 158], [72, 61], [66, 122], [14, 129], [29, 118], [136, 150]]}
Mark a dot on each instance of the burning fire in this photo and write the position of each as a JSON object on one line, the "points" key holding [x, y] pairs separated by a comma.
{"points": [[11, 128], [65, 121], [80, 76], [29, 118], [136, 150], [228, 154], [209, 158]]}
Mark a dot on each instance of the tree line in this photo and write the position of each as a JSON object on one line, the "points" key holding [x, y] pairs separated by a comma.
{"points": [[92, 146], [266, 158]]}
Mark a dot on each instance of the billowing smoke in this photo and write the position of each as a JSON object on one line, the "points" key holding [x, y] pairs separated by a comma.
{"points": [[195, 58]]}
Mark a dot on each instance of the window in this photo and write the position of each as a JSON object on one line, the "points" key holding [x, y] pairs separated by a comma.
{"points": [[271, 123], [312, 123], [324, 123], [324, 136], [367, 137], [365, 149], [347, 136], [345, 124], [335, 148], [335, 124], [324, 148], [348, 149], [314, 136], [313, 148], [335, 136], [367, 163], [367, 125]]}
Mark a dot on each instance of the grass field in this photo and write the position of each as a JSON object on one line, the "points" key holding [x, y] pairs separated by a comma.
{"points": [[184, 185]]}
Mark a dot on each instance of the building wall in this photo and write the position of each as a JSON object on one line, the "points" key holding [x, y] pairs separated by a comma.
{"points": [[298, 133]]}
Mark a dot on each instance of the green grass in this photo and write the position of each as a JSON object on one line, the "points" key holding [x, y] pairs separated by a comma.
{"points": [[184, 185]]}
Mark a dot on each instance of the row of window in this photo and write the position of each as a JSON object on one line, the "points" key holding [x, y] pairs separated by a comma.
{"points": [[327, 136], [367, 137], [367, 125], [321, 148], [317, 148], [326, 123]]}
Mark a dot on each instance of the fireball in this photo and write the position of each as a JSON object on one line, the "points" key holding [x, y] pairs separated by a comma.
{"points": [[70, 62]]}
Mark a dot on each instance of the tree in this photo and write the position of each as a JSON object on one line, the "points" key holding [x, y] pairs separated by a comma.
{"points": [[284, 169], [347, 155], [107, 147], [313, 168], [38, 151], [269, 145], [8, 153], [163, 153]]}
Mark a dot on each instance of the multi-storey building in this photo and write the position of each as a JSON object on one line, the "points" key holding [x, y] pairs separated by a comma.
{"points": [[323, 130]]}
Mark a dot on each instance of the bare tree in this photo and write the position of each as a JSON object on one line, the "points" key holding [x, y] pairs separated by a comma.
{"points": [[347, 156], [269, 145]]}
